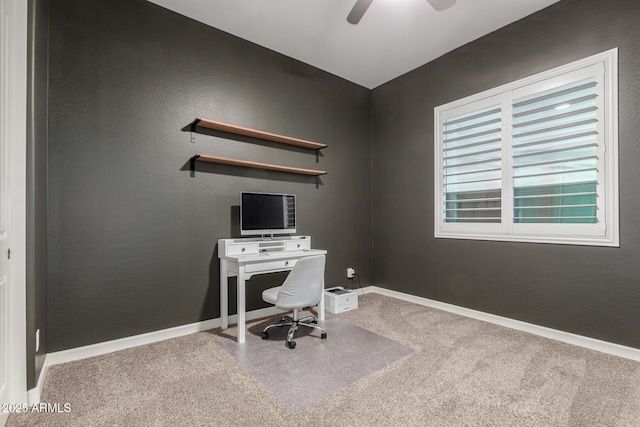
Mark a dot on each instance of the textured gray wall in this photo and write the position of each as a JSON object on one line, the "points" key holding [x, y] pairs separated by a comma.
{"points": [[585, 290], [36, 189], [131, 236]]}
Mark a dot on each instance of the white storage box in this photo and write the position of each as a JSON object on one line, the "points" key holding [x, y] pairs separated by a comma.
{"points": [[339, 299]]}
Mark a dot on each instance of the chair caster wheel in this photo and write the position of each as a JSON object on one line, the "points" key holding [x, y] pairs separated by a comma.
{"points": [[265, 335], [323, 336], [291, 344]]}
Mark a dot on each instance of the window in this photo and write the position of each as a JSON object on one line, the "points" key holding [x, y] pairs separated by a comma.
{"points": [[534, 161]]}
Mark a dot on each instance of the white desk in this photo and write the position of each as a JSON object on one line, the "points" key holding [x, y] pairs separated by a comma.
{"points": [[244, 258]]}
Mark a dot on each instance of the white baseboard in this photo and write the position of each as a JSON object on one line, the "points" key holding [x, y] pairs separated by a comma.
{"points": [[92, 350], [156, 336], [554, 334], [33, 395]]}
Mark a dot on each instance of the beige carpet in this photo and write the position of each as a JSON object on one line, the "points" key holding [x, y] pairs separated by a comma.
{"points": [[462, 372]]}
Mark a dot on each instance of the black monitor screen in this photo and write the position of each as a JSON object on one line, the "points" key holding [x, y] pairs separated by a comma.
{"points": [[265, 213]]}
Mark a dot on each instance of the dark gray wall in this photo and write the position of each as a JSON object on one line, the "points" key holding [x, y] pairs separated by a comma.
{"points": [[585, 290], [131, 236], [36, 273]]}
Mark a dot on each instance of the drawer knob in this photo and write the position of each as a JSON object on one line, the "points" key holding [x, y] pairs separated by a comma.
{"points": [[243, 249], [286, 263]]}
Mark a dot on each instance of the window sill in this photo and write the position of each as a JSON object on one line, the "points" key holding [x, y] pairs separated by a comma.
{"points": [[608, 241]]}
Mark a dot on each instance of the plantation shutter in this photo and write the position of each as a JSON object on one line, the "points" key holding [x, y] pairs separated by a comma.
{"points": [[557, 148], [472, 166], [533, 160]]}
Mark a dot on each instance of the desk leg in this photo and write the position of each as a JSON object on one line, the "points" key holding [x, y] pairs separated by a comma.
{"points": [[224, 295], [241, 304], [321, 305]]}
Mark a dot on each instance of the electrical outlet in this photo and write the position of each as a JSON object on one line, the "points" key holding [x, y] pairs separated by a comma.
{"points": [[350, 273], [37, 340]]}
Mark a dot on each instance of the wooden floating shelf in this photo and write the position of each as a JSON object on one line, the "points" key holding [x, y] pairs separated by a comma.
{"points": [[239, 130], [257, 165]]}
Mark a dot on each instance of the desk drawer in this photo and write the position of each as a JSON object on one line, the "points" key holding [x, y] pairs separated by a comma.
{"points": [[297, 245], [242, 248], [271, 265]]}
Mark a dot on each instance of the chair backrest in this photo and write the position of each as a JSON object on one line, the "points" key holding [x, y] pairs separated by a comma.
{"points": [[304, 285]]}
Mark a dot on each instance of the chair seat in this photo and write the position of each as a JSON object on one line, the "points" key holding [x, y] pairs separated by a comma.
{"points": [[302, 288], [271, 295]]}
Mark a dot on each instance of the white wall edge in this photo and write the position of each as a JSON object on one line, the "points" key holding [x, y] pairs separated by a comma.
{"points": [[554, 334], [16, 353]]}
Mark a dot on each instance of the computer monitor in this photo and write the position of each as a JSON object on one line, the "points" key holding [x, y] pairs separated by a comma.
{"points": [[267, 213]]}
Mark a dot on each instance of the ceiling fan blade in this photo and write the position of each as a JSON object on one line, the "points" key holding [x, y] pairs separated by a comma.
{"points": [[358, 11], [441, 5]]}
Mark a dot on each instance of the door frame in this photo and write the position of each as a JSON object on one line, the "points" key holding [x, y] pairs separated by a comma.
{"points": [[17, 345]]}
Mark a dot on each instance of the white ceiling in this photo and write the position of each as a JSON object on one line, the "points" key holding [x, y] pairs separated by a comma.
{"points": [[393, 37]]}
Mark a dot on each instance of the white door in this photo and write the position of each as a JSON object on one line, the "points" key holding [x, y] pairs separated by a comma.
{"points": [[13, 36]]}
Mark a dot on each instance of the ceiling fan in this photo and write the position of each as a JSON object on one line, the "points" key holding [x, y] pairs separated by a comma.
{"points": [[361, 7]]}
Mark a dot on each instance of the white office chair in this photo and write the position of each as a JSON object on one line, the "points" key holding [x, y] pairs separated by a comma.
{"points": [[303, 287]]}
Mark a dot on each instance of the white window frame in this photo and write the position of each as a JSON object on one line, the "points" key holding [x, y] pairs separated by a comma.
{"points": [[573, 234]]}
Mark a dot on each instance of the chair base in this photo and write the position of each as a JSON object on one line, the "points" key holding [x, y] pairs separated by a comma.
{"points": [[293, 323]]}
